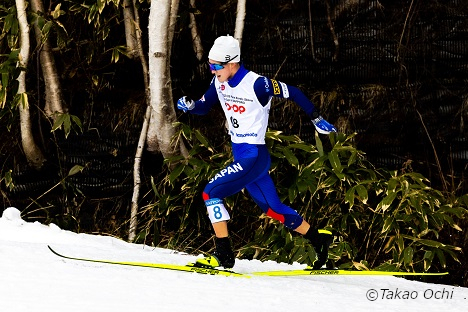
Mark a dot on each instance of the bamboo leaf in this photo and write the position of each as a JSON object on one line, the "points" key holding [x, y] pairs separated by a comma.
{"points": [[292, 159], [362, 192], [335, 161], [452, 254], [175, 173], [101, 5], [46, 29], [115, 56], [302, 146], [298, 253], [24, 100], [8, 23], [352, 158], [392, 184], [203, 140], [8, 179], [360, 266], [341, 176], [441, 257], [390, 244], [75, 169], [66, 124], [428, 256], [319, 144], [430, 243], [408, 256], [302, 186], [386, 202], [292, 192], [349, 197], [400, 243], [450, 221], [58, 122], [77, 121], [57, 12], [387, 224]]}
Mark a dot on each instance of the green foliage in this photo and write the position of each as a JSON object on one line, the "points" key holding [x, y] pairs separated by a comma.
{"points": [[50, 24], [382, 219], [9, 99], [9, 73], [68, 122], [10, 28], [7, 179], [103, 15]]}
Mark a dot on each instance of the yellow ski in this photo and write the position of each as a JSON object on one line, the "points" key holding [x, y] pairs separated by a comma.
{"points": [[340, 272], [175, 267]]}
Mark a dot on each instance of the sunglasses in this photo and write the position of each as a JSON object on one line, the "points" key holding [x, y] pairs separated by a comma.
{"points": [[220, 65], [216, 66]]}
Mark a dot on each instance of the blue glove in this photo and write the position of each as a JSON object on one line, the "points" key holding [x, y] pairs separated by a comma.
{"points": [[323, 126], [185, 104]]}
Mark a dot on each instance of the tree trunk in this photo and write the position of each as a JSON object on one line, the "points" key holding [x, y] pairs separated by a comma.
{"points": [[196, 41], [53, 90], [137, 177], [240, 20], [197, 44], [162, 116], [332, 30], [172, 22], [31, 150], [130, 29], [144, 130], [161, 131]]}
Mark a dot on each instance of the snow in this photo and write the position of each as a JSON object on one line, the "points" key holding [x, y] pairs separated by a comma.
{"points": [[34, 279]]}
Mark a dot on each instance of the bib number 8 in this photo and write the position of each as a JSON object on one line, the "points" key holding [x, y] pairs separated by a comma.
{"points": [[217, 212]]}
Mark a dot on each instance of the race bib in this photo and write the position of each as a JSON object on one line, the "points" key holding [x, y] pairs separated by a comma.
{"points": [[216, 210]]}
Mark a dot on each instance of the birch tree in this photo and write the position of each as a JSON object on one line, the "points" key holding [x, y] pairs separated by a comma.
{"points": [[160, 114], [31, 150], [53, 91], [161, 32], [240, 20], [144, 129]]}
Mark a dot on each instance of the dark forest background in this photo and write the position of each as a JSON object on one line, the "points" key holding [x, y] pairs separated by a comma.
{"points": [[393, 72]]}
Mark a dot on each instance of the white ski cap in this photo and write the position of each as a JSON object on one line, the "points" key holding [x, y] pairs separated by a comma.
{"points": [[225, 49]]}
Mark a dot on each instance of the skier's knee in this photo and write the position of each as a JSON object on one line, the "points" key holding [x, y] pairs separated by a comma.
{"points": [[291, 221]]}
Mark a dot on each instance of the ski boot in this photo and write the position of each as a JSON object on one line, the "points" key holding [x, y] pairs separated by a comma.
{"points": [[321, 240], [222, 256]]}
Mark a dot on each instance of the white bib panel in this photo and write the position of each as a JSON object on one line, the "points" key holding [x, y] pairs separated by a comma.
{"points": [[247, 118]]}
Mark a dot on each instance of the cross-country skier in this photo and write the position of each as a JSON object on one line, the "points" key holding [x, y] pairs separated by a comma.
{"points": [[246, 98]]}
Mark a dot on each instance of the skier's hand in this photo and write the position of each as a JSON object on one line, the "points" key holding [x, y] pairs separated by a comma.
{"points": [[185, 104], [323, 126]]}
